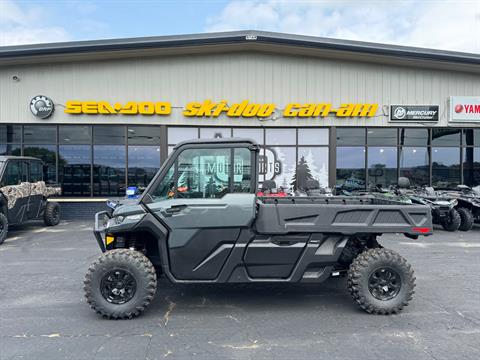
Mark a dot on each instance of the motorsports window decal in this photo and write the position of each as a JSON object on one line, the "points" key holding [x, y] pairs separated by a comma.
{"points": [[209, 108]]}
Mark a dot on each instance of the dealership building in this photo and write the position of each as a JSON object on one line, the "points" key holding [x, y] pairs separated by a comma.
{"points": [[104, 115]]}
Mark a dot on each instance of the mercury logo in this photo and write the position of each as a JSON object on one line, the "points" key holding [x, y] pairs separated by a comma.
{"points": [[400, 113], [41, 106]]}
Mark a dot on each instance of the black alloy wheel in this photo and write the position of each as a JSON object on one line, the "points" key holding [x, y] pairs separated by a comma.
{"points": [[384, 284], [118, 286]]}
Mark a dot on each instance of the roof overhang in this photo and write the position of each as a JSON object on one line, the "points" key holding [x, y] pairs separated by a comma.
{"points": [[239, 41]]}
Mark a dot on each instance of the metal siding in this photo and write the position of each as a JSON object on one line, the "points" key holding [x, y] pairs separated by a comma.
{"points": [[258, 77]]}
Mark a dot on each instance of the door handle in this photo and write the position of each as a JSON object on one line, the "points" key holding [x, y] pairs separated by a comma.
{"points": [[175, 209]]}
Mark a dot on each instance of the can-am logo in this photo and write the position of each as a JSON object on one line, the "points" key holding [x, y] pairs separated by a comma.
{"points": [[465, 109], [419, 113], [41, 106]]}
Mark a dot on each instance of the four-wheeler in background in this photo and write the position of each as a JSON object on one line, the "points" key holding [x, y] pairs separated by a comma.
{"points": [[217, 229], [468, 205], [443, 207], [24, 194]]}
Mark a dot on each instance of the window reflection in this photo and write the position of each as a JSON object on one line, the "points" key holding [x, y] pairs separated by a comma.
{"points": [[215, 133], [143, 164], [48, 154], [351, 168], [414, 137], [382, 166], [384, 137], [350, 136], [471, 166], [109, 170], [10, 134], [179, 134], [35, 134], [446, 137], [74, 168], [414, 165], [10, 149], [445, 167]]}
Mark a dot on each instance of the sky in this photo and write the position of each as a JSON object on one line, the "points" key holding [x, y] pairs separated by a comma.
{"points": [[437, 24]]}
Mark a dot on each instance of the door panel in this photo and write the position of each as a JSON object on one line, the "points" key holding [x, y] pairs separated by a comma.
{"points": [[203, 231], [274, 256]]}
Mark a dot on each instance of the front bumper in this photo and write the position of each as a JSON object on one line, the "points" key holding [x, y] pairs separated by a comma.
{"points": [[99, 228]]}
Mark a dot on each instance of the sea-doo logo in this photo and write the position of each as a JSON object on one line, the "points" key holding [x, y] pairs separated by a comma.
{"points": [[418, 113], [41, 106]]}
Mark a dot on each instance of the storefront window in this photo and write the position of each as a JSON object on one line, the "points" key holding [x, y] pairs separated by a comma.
{"points": [[351, 168], [249, 133], [285, 136], [284, 175], [10, 134], [74, 167], [10, 149], [215, 133], [143, 135], [350, 136], [143, 164], [34, 134], [312, 136], [315, 162], [48, 154], [74, 159], [382, 166], [445, 167], [414, 165], [179, 134], [414, 137], [446, 137], [381, 137], [471, 166], [109, 160], [471, 137]]}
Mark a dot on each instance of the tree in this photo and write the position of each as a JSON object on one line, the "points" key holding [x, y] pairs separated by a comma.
{"points": [[302, 174]]}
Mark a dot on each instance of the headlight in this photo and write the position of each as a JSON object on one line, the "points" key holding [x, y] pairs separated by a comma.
{"points": [[117, 220], [454, 202]]}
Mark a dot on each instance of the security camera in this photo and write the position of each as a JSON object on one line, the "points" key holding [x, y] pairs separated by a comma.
{"points": [[15, 78]]}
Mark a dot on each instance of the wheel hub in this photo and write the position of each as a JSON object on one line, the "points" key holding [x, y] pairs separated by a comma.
{"points": [[118, 286], [384, 284]]}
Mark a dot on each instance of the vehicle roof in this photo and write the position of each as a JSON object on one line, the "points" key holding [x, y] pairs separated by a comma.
{"points": [[11, 157], [232, 140]]}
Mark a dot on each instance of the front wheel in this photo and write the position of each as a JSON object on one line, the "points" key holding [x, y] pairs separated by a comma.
{"points": [[51, 215], [120, 284], [3, 227], [466, 219], [452, 221], [381, 281]]}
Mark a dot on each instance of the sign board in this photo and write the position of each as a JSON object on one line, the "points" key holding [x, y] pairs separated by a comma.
{"points": [[465, 109], [414, 113]]}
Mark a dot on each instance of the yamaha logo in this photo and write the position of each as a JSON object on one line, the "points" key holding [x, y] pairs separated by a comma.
{"points": [[400, 113], [41, 106]]}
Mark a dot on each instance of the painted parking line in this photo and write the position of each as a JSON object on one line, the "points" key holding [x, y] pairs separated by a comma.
{"points": [[460, 244]]}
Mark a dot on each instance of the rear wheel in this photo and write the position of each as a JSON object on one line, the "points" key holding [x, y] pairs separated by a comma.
{"points": [[381, 281], [51, 215], [3, 227], [120, 284], [452, 221], [466, 219]]}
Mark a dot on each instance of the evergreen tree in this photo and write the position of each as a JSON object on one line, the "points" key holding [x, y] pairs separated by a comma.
{"points": [[302, 174]]}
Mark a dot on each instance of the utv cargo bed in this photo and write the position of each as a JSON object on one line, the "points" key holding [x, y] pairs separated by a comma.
{"points": [[339, 214]]}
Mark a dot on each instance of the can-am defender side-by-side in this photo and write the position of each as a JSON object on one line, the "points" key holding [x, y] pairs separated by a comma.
{"points": [[24, 194], [201, 221]]}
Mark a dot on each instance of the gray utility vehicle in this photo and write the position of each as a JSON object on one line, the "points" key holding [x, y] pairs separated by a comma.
{"points": [[468, 205], [200, 221], [23, 193]]}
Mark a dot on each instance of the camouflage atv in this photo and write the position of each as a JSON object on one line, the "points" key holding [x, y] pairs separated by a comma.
{"points": [[23, 193]]}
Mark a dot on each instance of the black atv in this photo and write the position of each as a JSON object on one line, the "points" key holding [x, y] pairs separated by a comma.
{"points": [[468, 205], [442, 205], [24, 194]]}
